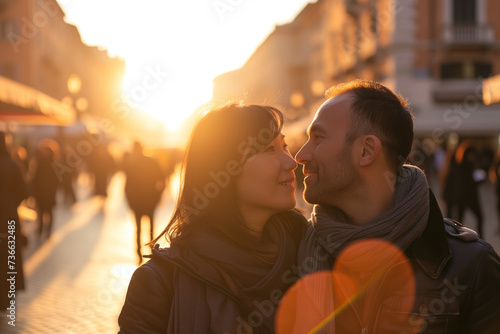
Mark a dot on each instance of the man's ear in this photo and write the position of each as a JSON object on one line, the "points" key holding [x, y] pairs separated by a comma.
{"points": [[371, 147]]}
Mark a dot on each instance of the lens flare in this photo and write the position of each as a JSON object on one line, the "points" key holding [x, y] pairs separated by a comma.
{"points": [[370, 277]]}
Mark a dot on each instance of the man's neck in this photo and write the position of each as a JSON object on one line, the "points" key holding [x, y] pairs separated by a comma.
{"points": [[375, 199]]}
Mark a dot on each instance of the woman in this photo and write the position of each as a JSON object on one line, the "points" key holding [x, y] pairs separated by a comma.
{"points": [[233, 235], [13, 190], [45, 182]]}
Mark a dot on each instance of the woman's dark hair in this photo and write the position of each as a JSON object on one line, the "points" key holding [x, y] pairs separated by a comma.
{"points": [[220, 143]]}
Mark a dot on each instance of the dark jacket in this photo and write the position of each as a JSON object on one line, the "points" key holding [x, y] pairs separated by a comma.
{"points": [[13, 190], [181, 291], [145, 183], [457, 279]]}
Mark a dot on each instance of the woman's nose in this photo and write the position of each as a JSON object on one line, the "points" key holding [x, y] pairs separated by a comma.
{"points": [[289, 162]]}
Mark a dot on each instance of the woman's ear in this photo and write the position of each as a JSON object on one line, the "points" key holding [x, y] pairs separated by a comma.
{"points": [[371, 147]]}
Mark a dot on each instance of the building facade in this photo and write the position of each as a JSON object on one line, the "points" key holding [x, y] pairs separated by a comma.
{"points": [[434, 52], [40, 50]]}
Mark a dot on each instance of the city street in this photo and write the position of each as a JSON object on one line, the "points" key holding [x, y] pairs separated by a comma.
{"points": [[77, 280]]}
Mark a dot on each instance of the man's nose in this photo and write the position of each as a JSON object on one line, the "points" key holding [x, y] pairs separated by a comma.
{"points": [[304, 155]]}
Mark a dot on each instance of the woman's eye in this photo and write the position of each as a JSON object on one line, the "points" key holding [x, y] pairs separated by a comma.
{"points": [[269, 149]]}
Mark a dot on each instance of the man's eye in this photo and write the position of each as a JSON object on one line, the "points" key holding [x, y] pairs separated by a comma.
{"points": [[285, 147], [317, 138]]}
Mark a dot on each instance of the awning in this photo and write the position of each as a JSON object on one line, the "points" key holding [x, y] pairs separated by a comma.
{"points": [[24, 104]]}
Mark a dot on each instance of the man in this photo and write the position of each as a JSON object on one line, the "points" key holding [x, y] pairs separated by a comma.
{"points": [[398, 267], [144, 186]]}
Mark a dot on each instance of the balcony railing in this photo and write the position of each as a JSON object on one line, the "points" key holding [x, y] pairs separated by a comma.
{"points": [[457, 90], [468, 35]]}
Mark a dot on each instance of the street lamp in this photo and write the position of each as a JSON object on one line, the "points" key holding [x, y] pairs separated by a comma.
{"points": [[74, 85]]}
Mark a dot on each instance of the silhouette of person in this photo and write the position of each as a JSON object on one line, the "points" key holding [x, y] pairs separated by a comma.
{"points": [[67, 185], [102, 165], [68, 176], [451, 187], [468, 194], [144, 185], [13, 190], [45, 182], [495, 180]]}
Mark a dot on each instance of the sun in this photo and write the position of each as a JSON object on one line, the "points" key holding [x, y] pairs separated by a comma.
{"points": [[168, 96]]}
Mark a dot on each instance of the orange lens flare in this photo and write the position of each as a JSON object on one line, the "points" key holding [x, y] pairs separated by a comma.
{"points": [[370, 277]]}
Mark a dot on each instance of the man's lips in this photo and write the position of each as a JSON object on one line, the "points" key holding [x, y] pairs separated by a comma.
{"points": [[309, 172]]}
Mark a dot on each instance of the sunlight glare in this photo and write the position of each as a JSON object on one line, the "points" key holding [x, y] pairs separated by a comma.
{"points": [[193, 44]]}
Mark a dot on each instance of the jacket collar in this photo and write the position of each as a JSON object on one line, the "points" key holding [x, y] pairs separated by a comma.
{"points": [[431, 250]]}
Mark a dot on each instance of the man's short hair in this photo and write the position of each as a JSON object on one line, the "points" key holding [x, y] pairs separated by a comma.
{"points": [[378, 110]]}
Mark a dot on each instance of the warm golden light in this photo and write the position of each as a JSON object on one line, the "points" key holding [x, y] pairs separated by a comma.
{"points": [[170, 61], [318, 88], [297, 100], [74, 84], [81, 104]]}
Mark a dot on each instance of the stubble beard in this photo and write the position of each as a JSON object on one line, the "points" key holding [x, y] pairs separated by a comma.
{"points": [[339, 183]]}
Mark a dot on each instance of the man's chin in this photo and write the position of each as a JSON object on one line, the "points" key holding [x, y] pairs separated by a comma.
{"points": [[310, 197]]}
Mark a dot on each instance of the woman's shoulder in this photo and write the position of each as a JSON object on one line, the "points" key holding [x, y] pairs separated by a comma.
{"points": [[294, 221], [294, 216], [148, 300], [156, 270]]}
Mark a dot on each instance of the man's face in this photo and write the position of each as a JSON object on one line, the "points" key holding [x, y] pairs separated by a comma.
{"points": [[330, 174]]}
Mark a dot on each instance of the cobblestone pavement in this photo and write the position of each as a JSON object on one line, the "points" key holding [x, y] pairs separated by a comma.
{"points": [[77, 279]]}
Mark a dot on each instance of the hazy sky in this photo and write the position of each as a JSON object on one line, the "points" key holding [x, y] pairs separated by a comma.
{"points": [[187, 43]]}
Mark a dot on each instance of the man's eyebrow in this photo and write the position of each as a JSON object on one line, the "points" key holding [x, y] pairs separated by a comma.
{"points": [[315, 128]]}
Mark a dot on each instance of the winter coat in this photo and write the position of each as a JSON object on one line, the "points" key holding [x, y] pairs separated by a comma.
{"points": [[457, 286], [215, 289]]}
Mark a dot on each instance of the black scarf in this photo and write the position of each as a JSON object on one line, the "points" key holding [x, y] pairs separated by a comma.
{"points": [[238, 286]]}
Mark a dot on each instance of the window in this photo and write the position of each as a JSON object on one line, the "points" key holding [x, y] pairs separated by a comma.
{"points": [[466, 70], [464, 12]]}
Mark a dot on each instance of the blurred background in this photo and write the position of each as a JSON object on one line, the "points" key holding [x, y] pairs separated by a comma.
{"points": [[84, 80]]}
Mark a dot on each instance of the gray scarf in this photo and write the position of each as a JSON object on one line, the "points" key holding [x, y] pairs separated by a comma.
{"points": [[330, 231]]}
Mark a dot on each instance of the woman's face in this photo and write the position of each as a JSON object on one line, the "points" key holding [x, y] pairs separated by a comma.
{"points": [[267, 180]]}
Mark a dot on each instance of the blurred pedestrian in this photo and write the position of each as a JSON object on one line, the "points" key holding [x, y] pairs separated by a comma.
{"points": [[13, 190], [67, 185], [451, 186], [45, 182], [468, 193], [102, 165], [495, 179], [69, 175], [233, 234], [144, 186], [20, 156]]}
